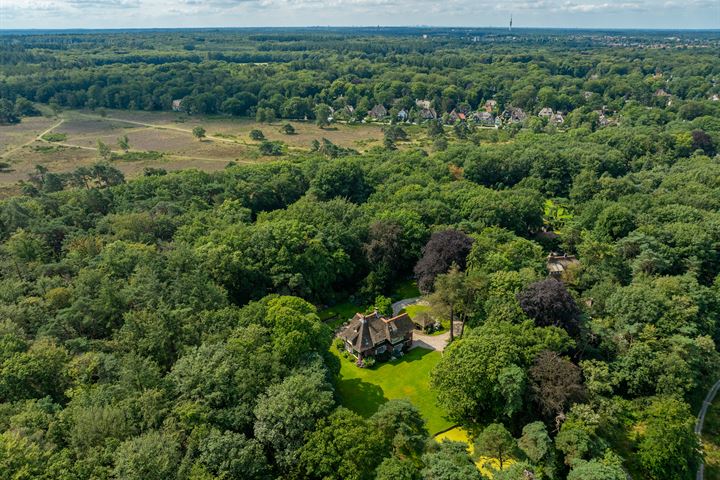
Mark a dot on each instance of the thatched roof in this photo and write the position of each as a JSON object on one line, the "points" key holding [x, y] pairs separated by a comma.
{"points": [[365, 332]]}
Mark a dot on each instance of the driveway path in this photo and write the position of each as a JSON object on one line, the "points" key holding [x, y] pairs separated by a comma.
{"points": [[701, 421], [431, 342], [397, 306], [422, 340]]}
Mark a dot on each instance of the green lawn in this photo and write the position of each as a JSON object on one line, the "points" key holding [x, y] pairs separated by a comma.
{"points": [[406, 289], [413, 310], [364, 390], [340, 313]]}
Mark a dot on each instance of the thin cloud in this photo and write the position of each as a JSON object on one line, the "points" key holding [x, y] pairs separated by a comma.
{"points": [[188, 13]]}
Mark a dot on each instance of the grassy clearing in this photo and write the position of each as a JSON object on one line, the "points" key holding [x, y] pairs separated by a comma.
{"points": [[364, 390], [406, 289], [487, 465], [338, 314], [414, 310], [138, 156], [159, 133]]}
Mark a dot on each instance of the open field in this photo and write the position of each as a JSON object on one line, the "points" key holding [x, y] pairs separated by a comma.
{"points": [[69, 141], [363, 390]]}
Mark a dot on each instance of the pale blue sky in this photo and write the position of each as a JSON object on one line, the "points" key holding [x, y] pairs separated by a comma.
{"points": [[673, 14]]}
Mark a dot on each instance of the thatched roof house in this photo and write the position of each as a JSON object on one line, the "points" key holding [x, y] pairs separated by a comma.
{"points": [[370, 335]]}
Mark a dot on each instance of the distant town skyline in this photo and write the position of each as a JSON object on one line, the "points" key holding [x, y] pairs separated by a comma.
{"points": [[647, 14]]}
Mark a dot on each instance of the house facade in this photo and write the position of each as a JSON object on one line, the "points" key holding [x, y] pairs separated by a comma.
{"points": [[558, 264], [546, 112], [486, 119], [378, 112], [423, 104], [514, 115], [557, 119], [374, 334], [427, 114]]}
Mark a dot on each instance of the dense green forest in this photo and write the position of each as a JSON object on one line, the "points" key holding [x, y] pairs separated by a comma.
{"points": [[288, 73], [168, 327]]}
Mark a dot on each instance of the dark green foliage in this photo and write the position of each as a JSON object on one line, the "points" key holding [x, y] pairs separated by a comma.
{"points": [[341, 179], [287, 411], [549, 303], [449, 461], [496, 442], [342, 448], [556, 383], [668, 447], [273, 149], [468, 377], [8, 114], [395, 469], [444, 249], [152, 456]]}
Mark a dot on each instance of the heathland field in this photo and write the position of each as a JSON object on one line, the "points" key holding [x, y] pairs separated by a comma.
{"points": [[162, 140]]}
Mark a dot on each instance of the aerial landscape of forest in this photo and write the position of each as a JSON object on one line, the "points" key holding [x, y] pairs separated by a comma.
{"points": [[398, 253]]}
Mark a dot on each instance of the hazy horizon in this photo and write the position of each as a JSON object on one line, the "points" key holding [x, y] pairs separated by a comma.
{"points": [[569, 14]]}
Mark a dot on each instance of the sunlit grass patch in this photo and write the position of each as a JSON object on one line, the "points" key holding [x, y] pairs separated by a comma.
{"points": [[363, 390], [487, 465]]}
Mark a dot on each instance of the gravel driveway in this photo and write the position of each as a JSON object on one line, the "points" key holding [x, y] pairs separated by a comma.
{"points": [[399, 305], [431, 342]]}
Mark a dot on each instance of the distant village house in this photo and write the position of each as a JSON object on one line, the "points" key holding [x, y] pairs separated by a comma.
{"points": [[514, 115], [428, 114], [559, 264], [455, 116], [546, 112], [557, 119], [378, 112], [485, 119]]}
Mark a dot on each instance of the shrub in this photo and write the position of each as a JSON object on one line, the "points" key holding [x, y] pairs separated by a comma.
{"points": [[54, 137], [270, 148]]}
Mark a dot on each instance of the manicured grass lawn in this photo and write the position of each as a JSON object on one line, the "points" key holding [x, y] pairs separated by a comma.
{"points": [[406, 289], [363, 390], [413, 310]]}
